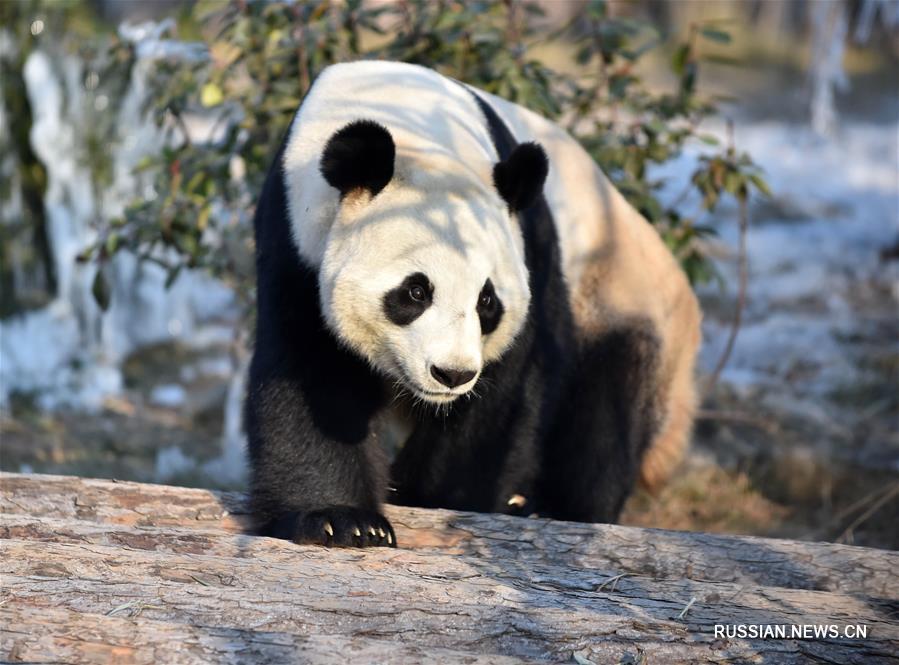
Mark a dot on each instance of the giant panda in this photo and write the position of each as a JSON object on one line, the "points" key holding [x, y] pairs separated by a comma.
{"points": [[438, 265]]}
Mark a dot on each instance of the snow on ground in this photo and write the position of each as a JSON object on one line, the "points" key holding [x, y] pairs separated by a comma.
{"points": [[69, 353], [819, 293]]}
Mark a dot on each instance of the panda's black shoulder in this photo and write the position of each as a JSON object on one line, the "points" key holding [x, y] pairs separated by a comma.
{"points": [[293, 347]]}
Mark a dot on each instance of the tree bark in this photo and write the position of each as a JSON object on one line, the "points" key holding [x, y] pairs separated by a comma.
{"points": [[651, 552], [94, 571], [50, 635]]}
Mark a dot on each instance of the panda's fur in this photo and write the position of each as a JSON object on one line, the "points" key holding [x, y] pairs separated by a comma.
{"points": [[535, 348]]}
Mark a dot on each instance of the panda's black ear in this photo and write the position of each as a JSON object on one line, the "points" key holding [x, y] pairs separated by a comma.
{"points": [[519, 178], [359, 156]]}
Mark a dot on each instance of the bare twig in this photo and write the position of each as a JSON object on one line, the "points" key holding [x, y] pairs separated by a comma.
{"points": [[738, 417], [862, 502], [198, 580], [513, 30], [602, 74], [861, 519], [686, 609], [303, 65], [741, 296], [613, 581], [133, 607], [182, 126]]}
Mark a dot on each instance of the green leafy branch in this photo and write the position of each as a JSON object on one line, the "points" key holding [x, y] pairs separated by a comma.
{"points": [[263, 56]]}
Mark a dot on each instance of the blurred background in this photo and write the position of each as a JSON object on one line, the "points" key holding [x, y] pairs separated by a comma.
{"points": [[759, 137]]}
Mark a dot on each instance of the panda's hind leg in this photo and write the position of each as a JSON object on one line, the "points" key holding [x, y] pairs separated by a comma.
{"points": [[678, 390], [607, 417], [667, 449]]}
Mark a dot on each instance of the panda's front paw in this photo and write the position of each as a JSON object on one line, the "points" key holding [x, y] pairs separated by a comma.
{"points": [[343, 526]]}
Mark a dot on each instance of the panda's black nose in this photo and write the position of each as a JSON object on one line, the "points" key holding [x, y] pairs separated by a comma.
{"points": [[452, 377]]}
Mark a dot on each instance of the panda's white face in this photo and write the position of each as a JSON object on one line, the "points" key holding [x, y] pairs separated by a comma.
{"points": [[420, 260], [428, 288]]}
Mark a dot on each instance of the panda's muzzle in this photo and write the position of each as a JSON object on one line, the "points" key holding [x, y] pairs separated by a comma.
{"points": [[452, 378]]}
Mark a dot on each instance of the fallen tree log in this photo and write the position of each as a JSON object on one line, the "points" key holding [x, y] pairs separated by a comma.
{"points": [[432, 600], [50, 635], [85, 564], [651, 552]]}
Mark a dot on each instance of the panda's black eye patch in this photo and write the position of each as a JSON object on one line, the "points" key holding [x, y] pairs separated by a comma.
{"points": [[409, 300], [490, 309]]}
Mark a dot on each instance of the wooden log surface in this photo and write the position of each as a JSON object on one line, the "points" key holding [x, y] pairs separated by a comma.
{"points": [[651, 552], [74, 637], [98, 570]]}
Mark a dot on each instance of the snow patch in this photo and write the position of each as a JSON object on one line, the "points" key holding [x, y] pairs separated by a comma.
{"points": [[170, 462], [70, 351], [169, 395]]}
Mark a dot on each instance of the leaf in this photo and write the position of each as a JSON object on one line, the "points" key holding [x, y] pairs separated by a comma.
{"points": [[596, 9], [734, 181], [583, 55], [211, 95], [688, 80], [718, 170], [172, 276], [84, 256], [203, 217], [224, 54], [760, 184], [100, 289], [679, 60], [194, 181], [715, 35], [112, 243], [144, 163], [618, 84]]}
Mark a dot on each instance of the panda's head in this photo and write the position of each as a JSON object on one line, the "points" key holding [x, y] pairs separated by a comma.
{"points": [[423, 272]]}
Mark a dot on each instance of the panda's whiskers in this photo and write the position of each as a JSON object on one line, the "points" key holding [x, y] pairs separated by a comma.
{"points": [[419, 404], [400, 391]]}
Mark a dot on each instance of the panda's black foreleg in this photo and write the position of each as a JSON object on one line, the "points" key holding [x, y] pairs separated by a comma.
{"points": [[605, 422], [314, 481], [317, 474]]}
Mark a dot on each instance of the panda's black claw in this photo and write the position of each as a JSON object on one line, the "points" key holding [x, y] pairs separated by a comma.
{"points": [[342, 526]]}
